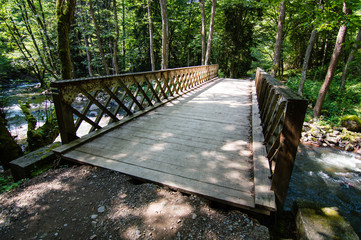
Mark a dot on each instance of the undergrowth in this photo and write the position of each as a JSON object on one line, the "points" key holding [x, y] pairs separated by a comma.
{"points": [[337, 103]]}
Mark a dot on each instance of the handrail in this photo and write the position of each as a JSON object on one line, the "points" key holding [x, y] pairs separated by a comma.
{"points": [[282, 113], [100, 101]]}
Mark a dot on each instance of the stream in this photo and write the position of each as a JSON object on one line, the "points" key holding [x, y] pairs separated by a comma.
{"points": [[329, 177], [38, 100]]}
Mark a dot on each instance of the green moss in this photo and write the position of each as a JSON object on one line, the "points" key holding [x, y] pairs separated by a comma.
{"points": [[351, 118]]}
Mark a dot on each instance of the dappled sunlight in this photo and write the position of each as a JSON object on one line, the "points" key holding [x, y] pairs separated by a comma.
{"points": [[197, 143], [158, 147], [234, 146]]}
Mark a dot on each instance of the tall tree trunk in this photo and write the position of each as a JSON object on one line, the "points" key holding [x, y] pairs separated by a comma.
{"points": [[306, 60], [209, 44], [165, 39], [123, 30], [331, 68], [98, 38], [277, 53], [151, 51], [349, 60], [64, 15], [203, 32], [116, 39]]}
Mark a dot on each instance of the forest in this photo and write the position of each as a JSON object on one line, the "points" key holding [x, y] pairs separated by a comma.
{"points": [[312, 46]]}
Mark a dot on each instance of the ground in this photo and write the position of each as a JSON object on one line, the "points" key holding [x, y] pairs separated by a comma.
{"points": [[85, 202]]}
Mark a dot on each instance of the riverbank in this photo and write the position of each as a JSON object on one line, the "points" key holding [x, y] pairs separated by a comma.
{"points": [[337, 137]]}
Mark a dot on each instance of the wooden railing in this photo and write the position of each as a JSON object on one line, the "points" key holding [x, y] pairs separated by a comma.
{"points": [[100, 101], [282, 113]]}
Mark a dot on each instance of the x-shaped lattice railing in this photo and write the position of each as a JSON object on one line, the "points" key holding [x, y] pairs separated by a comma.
{"points": [[101, 101]]}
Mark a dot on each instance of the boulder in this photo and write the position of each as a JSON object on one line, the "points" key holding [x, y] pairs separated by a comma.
{"points": [[352, 123], [318, 222]]}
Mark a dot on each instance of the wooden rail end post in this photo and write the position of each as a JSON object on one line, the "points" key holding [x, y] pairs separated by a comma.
{"points": [[64, 117], [289, 141]]}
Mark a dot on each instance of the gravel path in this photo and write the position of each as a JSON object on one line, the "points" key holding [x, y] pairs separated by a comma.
{"points": [[84, 202]]}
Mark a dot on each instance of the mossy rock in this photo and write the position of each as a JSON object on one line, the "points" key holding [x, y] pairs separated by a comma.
{"points": [[318, 222], [9, 149], [352, 123]]}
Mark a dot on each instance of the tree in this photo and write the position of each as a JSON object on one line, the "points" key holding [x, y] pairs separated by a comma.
{"points": [[211, 24], [306, 60], [203, 32], [332, 66], [165, 39], [100, 45], [64, 13], [151, 45], [349, 60], [116, 38], [277, 52]]}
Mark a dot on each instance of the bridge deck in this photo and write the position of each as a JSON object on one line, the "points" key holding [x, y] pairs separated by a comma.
{"points": [[199, 143]]}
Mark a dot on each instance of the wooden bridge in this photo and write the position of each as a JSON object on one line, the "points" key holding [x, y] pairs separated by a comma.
{"points": [[230, 140]]}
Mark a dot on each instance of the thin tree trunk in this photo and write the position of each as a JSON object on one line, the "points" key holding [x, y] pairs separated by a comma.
{"points": [[32, 64], [116, 39], [151, 50], [86, 42], [165, 39], [64, 13], [123, 29], [47, 43], [306, 61], [277, 53], [331, 68], [209, 44], [349, 60], [203, 32], [98, 38]]}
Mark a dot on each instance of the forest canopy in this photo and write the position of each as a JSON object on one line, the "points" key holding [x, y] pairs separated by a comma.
{"points": [[113, 37]]}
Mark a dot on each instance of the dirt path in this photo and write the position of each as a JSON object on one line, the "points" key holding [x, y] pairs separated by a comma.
{"points": [[93, 203]]}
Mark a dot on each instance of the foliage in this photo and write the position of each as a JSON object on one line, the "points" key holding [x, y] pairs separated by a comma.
{"points": [[7, 183], [42, 136], [237, 37], [337, 104]]}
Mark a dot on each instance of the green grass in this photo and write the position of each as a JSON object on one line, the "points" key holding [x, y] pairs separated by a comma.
{"points": [[337, 103], [7, 182]]}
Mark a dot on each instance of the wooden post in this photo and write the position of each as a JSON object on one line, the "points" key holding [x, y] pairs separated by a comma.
{"points": [[289, 140], [64, 117]]}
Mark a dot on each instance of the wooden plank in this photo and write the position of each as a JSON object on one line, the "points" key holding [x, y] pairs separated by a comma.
{"points": [[190, 185], [264, 196], [212, 160], [237, 179]]}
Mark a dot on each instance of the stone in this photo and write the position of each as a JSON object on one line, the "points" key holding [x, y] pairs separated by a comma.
{"points": [[94, 216], [333, 140], [352, 123], [101, 209], [349, 148], [317, 222]]}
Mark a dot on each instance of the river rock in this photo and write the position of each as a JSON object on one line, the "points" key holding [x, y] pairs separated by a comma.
{"points": [[349, 148], [352, 123], [318, 222]]}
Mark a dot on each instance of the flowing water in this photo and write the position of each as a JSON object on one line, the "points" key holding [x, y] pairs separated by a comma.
{"points": [[39, 103], [329, 177]]}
